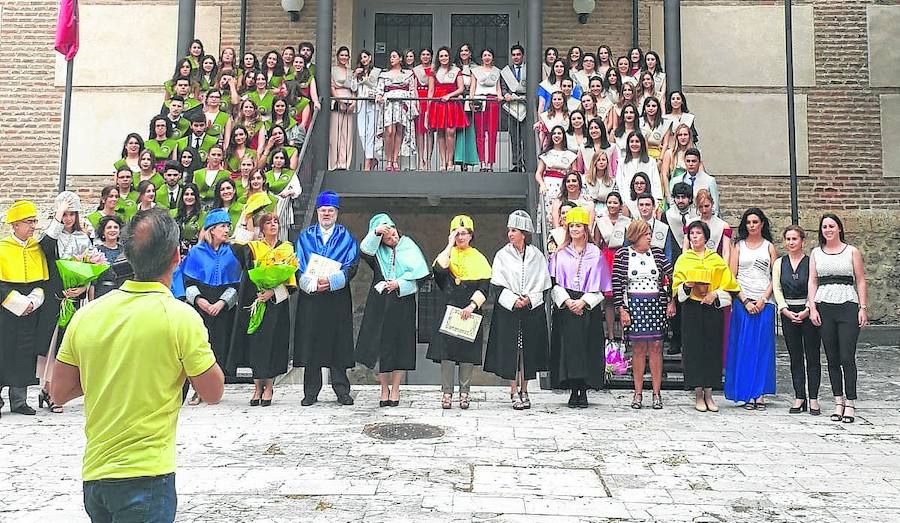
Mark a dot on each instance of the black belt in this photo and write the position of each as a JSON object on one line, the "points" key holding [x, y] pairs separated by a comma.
{"points": [[835, 280]]}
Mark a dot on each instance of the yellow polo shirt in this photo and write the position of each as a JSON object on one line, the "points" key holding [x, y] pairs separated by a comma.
{"points": [[134, 347]]}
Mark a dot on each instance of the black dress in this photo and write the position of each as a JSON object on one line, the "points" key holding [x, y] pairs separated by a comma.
{"points": [[323, 330], [442, 346], [577, 357], [388, 331], [267, 350], [524, 329]]}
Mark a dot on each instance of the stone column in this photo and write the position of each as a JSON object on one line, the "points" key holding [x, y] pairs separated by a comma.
{"points": [[324, 52], [186, 14], [672, 25]]}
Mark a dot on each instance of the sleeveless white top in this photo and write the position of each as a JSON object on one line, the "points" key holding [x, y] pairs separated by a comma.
{"points": [[754, 270], [840, 264]]}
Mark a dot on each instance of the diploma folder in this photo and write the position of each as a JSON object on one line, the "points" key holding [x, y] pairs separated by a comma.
{"points": [[321, 267], [454, 325]]}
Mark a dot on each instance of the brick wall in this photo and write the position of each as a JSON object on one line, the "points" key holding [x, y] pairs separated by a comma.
{"points": [[609, 24]]}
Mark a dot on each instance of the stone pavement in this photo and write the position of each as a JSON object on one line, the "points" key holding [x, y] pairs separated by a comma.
{"points": [[549, 464]]}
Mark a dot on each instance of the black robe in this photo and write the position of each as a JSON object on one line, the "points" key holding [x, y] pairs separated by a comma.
{"points": [[511, 330], [267, 350], [24, 338], [442, 346], [388, 331], [323, 330], [219, 327], [577, 354], [701, 344]]}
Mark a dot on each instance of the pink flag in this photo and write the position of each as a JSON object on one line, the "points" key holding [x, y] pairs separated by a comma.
{"points": [[67, 29]]}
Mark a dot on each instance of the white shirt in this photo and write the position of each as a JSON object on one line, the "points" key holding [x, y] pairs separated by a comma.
{"points": [[326, 233]]}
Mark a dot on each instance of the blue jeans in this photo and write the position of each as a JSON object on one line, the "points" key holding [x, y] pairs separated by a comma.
{"points": [[127, 500]]}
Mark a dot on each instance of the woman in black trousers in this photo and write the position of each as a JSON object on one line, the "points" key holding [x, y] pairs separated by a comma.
{"points": [[838, 297], [790, 280]]}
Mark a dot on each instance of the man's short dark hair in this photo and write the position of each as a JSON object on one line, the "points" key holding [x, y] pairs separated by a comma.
{"points": [[516, 47], [177, 98], [172, 165], [645, 196], [307, 44], [682, 189], [693, 151], [150, 241], [180, 78]]}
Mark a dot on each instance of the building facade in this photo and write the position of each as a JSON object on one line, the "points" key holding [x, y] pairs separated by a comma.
{"points": [[845, 56]]}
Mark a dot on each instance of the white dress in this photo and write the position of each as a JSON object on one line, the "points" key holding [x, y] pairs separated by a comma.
{"points": [[400, 107], [555, 160], [365, 115], [625, 174]]}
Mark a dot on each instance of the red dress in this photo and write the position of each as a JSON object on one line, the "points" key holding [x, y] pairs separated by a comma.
{"points": [[444, 115], [422, 90]]}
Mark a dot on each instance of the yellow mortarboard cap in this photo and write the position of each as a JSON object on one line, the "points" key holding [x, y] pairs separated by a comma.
{"points": [[461, 221], [21, 210], [578, 215]]}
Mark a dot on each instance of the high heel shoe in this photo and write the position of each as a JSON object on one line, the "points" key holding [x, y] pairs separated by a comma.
{"points": [[44, 397], [812, 411], [265, 403], [798, 410], [384, 403], [848, 418], [836, 416]]}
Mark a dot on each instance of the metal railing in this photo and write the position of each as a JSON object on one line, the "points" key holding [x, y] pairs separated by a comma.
{"points": [[367, 134], [309, 179]]}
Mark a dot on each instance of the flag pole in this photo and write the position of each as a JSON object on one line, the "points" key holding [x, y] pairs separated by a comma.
{"points": [[67, 110], [66, 43]]}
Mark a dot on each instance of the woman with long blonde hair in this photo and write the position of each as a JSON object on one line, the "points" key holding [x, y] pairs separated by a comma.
{"points": [[673, 156]]}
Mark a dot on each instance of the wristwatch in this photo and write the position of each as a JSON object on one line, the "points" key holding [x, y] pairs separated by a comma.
{"points": [[864, 307]]}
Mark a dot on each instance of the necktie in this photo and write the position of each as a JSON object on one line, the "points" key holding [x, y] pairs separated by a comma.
{"points": [[172, 199], [692, 179], [196, 142], [518, 73]]}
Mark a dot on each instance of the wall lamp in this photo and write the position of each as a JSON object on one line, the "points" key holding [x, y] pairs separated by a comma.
{"points": [[293, 8], [583, 8]]}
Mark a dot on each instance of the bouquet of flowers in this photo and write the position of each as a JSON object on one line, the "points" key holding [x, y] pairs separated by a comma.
{"points": [[75, 272], [267, 273], [615, 361]]}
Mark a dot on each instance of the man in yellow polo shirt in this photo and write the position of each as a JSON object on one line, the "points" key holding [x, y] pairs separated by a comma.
{"points": [[128, 353]]}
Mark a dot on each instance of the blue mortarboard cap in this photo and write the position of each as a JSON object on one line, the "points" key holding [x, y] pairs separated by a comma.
{"points": [[215, 217], [329, 199]]}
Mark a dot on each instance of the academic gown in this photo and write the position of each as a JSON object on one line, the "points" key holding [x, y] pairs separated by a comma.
{"points": [[214, 275], [577, 357], [514, 329], [387, 334], [457, 293], [323, 327], [267, 350], [23, 338]]}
